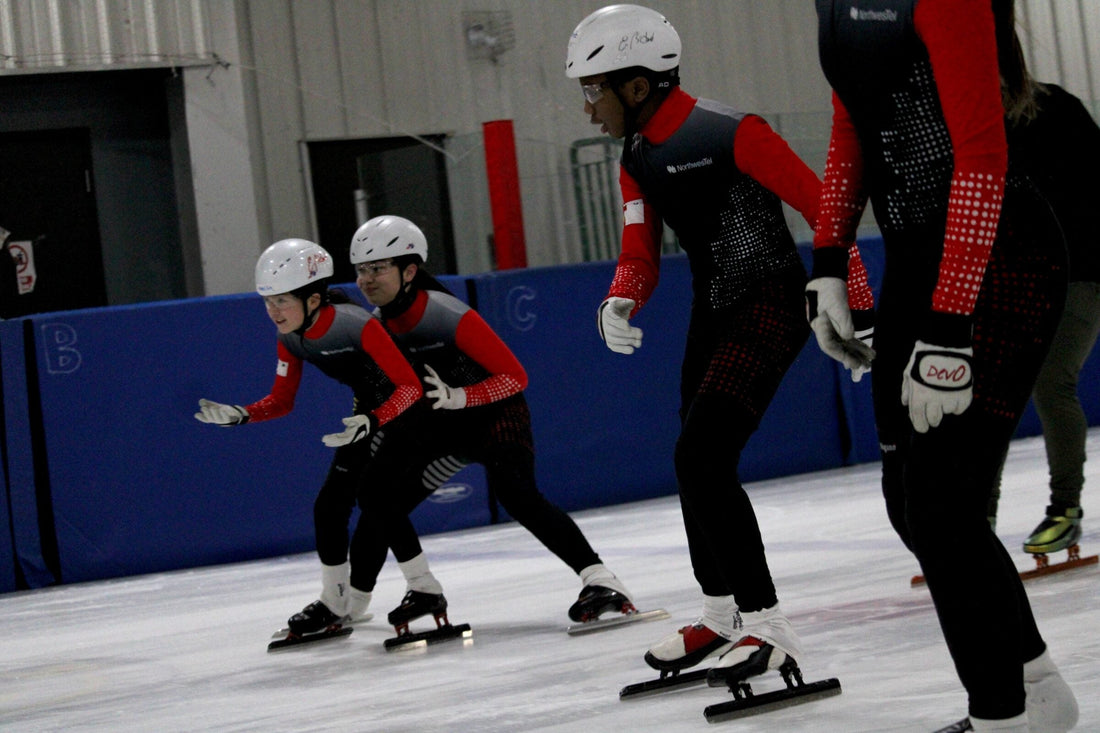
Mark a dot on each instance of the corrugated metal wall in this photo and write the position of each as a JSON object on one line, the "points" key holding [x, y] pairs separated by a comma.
{"points": [[322, 69], [70, 35]]}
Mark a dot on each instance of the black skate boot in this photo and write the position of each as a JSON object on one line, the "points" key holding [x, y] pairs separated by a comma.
{"points": [[311, 619], [416, 604], [597, 599]]}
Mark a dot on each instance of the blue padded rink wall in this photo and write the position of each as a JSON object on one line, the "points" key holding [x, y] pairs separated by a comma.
{"points": [[161, 553]]}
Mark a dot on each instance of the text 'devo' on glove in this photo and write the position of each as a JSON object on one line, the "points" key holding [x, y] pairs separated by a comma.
{"points": [[937, 381]]}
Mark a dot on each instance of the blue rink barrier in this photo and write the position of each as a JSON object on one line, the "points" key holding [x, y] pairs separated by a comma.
{"points": [[106, 473], [28, 566], [12, 412], [606, 424], [135, 483]]}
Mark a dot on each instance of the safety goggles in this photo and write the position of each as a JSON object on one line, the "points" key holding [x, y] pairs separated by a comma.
{"points": [[374, 269], [594, 92]]}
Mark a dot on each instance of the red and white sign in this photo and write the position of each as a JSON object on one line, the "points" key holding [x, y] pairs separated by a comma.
{"points": [[23, 254]]}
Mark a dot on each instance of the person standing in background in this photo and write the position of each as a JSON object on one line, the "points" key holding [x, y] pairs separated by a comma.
{"points": [[1058, 145]]}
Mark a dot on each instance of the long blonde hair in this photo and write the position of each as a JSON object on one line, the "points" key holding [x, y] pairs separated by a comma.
{"points": [[1019, 91]]}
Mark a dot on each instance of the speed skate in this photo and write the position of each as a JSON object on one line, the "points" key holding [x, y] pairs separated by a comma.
{"points": [[1043, 565], [670, 679], [415, 605], [598, 599], [285, 638], [745, 702], [346, 622], [629, 615]]}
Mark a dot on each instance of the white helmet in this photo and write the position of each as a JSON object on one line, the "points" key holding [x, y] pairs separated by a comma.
{"points": [[290, 264], [619, 37], [384, 237]]}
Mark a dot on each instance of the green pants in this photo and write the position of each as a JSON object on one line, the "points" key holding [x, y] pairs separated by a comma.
{"points": [[1055, 396]]}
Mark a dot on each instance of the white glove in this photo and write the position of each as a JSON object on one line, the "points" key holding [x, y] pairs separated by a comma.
{"points": [[615, 329], [358, 427], [865, 335], [446, 398], [831, 321], [938, 381], [215, 413]]}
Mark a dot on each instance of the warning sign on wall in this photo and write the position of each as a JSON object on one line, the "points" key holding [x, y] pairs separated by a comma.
{"points": [[23, 253]]}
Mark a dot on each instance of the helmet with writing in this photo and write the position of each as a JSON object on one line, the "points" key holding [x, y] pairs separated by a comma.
{"points": [[290, 264], [619, 37]]}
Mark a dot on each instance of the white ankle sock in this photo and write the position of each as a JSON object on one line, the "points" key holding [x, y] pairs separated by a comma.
{"points": [[1051, 705], [418, 577], [334, 587], [720, 615], [598, 574], [1019, 723], [358, 603]]}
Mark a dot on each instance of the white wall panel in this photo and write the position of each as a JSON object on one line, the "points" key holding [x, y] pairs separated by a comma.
{"points": [[1061, 39], [365, 102], [324, 69], [319, 77]]}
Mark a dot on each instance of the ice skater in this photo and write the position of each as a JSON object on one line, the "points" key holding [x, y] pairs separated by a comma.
{"points": [[1058, 144], [972, 290], [718, 177], [475, 385], [349, 345]]}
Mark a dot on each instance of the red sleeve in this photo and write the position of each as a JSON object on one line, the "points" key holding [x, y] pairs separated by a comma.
{"points": [[842, 195], [640, 258], [760, 153], [860, 297], [288, 375], [378, 344], [959, 36], [841, 206], [479, 341]]}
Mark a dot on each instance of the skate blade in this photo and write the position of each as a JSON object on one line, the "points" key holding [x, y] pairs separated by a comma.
{"points": [[420, 640], [961, 727], [587, 627], [1045, 567], [345, 622], [664, 684], [292, 641], [749, 704], [1049, 569]]}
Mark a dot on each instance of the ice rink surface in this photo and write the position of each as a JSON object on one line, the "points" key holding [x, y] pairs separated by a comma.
{"points": [[186, 651]]}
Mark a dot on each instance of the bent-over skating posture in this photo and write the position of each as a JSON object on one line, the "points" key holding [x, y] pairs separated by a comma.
{"points": [[475, 384], [350, 345]]}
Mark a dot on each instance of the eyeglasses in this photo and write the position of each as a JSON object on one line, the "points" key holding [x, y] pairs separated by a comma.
{"points": [[594, 92], [373, 269]]}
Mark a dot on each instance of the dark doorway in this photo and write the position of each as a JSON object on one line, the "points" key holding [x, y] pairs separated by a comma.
{"points": [[354, 180], [47, 198]]}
